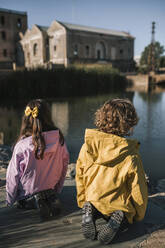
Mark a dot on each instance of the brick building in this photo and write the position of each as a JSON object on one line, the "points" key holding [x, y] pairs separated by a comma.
{"points": [[11, 24], [64, 43]]}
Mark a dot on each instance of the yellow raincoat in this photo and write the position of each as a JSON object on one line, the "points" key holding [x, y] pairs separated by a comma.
{"points": [[109, 174]]}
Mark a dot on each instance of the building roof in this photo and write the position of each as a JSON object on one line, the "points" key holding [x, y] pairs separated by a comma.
{"points": [[13, 11], [96, 30], [42, 28]]}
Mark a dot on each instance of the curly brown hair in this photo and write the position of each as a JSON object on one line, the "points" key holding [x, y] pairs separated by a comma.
{"points": [[116, 116]]}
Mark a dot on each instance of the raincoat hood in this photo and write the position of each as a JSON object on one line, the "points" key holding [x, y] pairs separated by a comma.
{"points": [[107, 149]]}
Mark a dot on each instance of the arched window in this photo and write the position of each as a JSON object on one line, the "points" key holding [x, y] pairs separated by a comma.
{"points": [[35, 49], [113, 53], [75, 51], [100, 50], [56, 47], [87, 51]]}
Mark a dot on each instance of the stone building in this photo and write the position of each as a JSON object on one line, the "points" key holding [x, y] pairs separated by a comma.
{"points": [[35, 43], [64, 43], [11, 24]]}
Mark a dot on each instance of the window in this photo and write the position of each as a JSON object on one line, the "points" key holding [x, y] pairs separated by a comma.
{"points": [[19, 23], [87, 50], [2, 20], [75, 52], [98, 54], [113, 53], [3, 35], [100, 51], [5, 52], [121, 51], [35, 49]]}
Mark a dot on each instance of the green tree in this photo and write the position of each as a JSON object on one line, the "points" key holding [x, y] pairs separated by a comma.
{"points": [[146, 55], [162, 61]]}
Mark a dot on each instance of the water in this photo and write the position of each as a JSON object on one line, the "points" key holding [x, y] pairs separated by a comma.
{"points": [[73, 116]]}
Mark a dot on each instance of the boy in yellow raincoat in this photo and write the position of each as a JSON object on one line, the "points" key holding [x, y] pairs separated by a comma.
{"points": [[109, 173]]}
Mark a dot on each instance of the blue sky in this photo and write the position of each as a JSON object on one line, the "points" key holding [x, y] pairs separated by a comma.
{"points": [[134, 16]]}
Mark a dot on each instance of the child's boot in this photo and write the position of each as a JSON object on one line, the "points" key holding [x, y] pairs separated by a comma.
{"points": [[55, 205], [109, 230], [88, 221], [43, 207]]}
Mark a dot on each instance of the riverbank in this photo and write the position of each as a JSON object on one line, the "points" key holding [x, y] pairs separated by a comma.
{"points": [[61, 82]]}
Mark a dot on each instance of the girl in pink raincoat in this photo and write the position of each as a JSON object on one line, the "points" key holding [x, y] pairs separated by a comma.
{"points": [[39, 162]]}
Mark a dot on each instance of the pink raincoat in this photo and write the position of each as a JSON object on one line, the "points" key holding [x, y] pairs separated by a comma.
{"points": [[27, 175]]}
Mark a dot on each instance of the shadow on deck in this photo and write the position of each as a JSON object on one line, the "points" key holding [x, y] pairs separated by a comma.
{"points": [[20, 228]]}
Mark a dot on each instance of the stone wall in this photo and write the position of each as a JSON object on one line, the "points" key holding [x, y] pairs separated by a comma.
{"points": [[140, 79], [34, 47]]}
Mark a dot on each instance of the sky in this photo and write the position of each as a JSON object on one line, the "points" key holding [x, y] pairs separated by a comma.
{"points": [[133, 16]]}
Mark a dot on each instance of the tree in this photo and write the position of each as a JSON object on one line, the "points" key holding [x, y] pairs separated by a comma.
{"points": [[146, 55], [162, 61]]}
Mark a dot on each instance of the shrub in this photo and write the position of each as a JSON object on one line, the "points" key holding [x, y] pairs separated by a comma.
{"points": [[77, 80]]}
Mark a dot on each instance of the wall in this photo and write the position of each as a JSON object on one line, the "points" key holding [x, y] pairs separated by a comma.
{"points": [[68, 46], [32, 38], [10, 26], [90, 47], [57, 44]]}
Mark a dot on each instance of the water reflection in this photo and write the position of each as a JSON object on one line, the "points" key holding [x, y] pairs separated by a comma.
{"points": [[150, 108], [60, 116], [9, 123], [151, 131], [74, 115]]}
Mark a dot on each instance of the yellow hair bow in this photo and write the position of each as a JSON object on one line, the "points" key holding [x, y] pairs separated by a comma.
{"points": [[33, 112]]}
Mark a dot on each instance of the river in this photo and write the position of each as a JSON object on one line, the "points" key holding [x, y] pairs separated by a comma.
{"points": [[74, 115]]}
